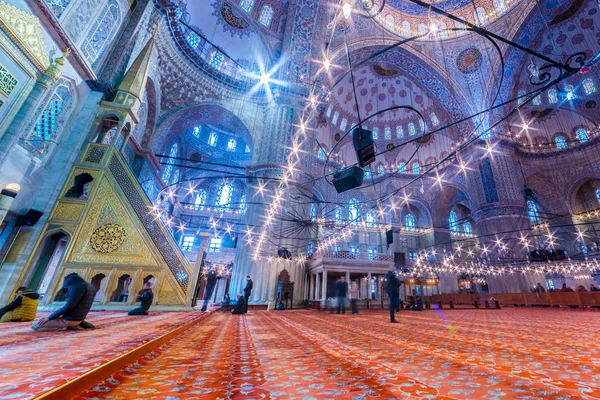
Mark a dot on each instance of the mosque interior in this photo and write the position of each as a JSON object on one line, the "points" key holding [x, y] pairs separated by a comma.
{"points": [[182, 146]]}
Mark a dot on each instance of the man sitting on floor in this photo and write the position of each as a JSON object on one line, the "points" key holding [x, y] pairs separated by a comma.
{"points": [[80, 297], [145, 297], [22, 308], [240, 307]]}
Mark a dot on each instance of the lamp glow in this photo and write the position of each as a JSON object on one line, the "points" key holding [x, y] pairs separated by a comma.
{"points": [[347, 10]]}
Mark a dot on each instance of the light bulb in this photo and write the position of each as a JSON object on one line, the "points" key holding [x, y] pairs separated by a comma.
{"points": [[326, 64], [347, 10]]}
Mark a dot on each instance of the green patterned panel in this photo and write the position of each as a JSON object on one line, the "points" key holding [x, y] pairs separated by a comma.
{"points": [[7, 82]]}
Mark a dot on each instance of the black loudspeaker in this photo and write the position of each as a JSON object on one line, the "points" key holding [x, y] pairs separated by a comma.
{"points": [[348, 178], [389, 237], [363, 144], [284, 253], [30, 218], [399, 259]]}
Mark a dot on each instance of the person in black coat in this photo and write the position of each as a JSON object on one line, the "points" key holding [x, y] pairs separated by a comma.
{"points": [[145, 297], [392, 288], [247, 292], [241, 305], [211, 281], [79, 299], [341, 290]]}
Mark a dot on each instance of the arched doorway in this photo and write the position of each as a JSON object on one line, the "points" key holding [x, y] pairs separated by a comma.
{"points": [[98, 281], [121, 293], [49, 258]]}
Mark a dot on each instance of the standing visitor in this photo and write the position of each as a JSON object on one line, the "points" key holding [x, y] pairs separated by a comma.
{"points": [[211, 281], [341, 289], [393, 291], [354, 297], [247, 292]]}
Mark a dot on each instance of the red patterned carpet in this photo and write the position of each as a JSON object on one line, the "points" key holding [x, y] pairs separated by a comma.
{"points": [[33, 363], [514, 353]]}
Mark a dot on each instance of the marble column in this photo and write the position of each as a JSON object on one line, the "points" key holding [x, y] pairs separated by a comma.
{"points": [[369, 286], [312, 287], [324, 295], [317, 285]]}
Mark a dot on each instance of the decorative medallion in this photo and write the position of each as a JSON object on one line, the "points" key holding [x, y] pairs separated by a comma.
{"points": [[337, 137], [107, 238], [231, 19], [389, 146], [469, 61], [590, 104]]}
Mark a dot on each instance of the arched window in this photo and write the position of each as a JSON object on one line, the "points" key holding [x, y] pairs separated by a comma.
{"points": [[212, 139], [266, 15], [552, 96], [532, 212], [51, 121], [582, 135], [242, 207], [412, 131], [570, 92], [389, 22], [353, 212], [521, 94], [561, 143], [193, 39], [588, 86], [422, 125], [102, 33], [58, 7], [200, 200], [336, 115], [405, 28], [313, 211], [168, 171], [338, 215], [537, 100], [434, 119], [500, 6], [343, 124], [380, 170], [416, 168], [598, 195], [399, 132], [329, 109], [371, 219], [467, 229], [387, 133], [321, 153], [402, 168], [410, 223], [368, 173], [442, 30], [453, 223], [423, 29], [216, 59], [224, 197], [375, 133], [247, 5], [196, 131], [231, 143], [480, 16]]}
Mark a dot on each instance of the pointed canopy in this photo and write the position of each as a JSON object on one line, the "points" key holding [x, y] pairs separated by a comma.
{"points": [[134, 82]]}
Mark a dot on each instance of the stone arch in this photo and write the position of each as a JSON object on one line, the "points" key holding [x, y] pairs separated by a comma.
{"points": [[581, 194], [444, 202], [45, 262]]}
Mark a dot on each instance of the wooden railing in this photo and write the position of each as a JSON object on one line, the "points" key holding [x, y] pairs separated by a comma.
{"points": [[579, 299]]}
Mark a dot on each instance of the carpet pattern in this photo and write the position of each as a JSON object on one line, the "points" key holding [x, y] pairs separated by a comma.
{"points": [[32, 363], [528, 353]]}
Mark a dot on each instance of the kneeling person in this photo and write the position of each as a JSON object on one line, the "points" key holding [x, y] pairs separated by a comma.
{"points": [[145, 297], [22, 308], [240, 308], [79, 299]]}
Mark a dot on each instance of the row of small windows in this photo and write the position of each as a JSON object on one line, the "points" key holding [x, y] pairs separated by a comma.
{"points": [[589, 87], [453, 225], [582, 136], [223, 200], [213, 139], [266, 13], [387, 131]]}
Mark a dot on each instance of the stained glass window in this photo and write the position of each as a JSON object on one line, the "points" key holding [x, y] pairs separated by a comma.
{"points": [[371, 219], [380, 170], [412, 131], [582, 135], [598, 194], [434, 119], [247, 149], [215, 245], [321, 153], [588, 86], [196, 131], [212, 139], [231, 144], [552, 96], [353, 212], [410, 223], [375, 133], [50, 122], [368, 173], [336, 115], [58, 7], [488, 181], [187, 243], [405, 28], [242, 207], [102, 33], [168, 171], [467, 229], [387, 133], [224, 197], [532, 212], [416, 168], [199, 200], [343, 124], [402, 168], [313, 211], [453, 223], [521, 94], [480, 16], [399, 132], [561, 143], [193, 39], [247, 5], [422, 125], [266, 15], [500, 6], [537, 100], [389, 22], [570, 92], [329, 109], [338, 215], [216, 59], [423, 29]]}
